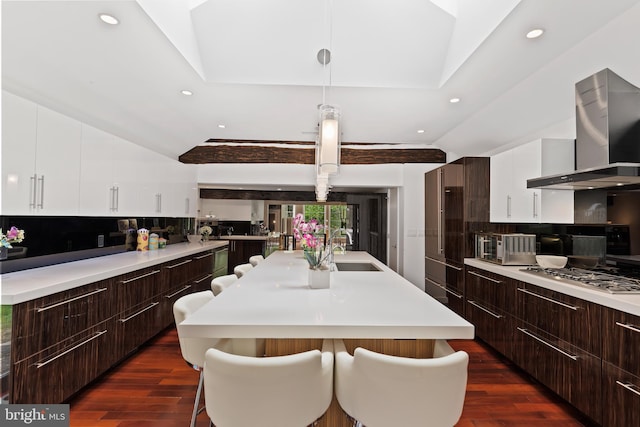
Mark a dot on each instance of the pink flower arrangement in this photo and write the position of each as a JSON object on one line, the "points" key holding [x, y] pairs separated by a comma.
{"points": [[307, 234], [14, 235]]}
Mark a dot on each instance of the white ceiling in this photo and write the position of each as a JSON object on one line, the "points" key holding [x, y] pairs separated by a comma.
{"points": [[252, 66]]}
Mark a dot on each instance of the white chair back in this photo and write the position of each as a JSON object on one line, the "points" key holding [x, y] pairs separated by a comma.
{"points": [[220, 283], [242, 269], [381, 390], [255, 260], [280, 391]]}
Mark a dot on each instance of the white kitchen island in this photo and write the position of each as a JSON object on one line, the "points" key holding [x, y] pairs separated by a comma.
{"points": [[273, 300]]}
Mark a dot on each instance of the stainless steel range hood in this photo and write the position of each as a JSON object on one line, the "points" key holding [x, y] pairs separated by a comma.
{"points": [[607, 136]]}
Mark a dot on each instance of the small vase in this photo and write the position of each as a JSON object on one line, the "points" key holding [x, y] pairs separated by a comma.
{"points": [[319, 278]]}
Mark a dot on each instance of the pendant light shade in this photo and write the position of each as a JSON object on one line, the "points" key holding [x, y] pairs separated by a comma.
{"points": [[328, 147]]}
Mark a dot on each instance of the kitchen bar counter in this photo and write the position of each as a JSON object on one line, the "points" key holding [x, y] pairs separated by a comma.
{"points": [[273, 300], [628, 303], [241, 237], [27, 285]]}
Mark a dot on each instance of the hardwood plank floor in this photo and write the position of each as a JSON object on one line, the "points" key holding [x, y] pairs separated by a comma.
{"points": [[155, 387]]}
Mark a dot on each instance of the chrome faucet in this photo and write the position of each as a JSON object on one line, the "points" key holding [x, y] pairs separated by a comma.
{"points": [[349, 233]]}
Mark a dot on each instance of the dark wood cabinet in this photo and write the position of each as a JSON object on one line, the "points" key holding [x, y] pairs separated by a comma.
{"points": [[454, 195], [240, 250], [620, 368], [490, 300]]}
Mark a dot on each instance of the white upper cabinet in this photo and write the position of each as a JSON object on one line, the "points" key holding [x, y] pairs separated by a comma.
{"points": [[40, 159], [512, 201]]}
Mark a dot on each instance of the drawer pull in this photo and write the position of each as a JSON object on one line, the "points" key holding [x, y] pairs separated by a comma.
{"points": [[444, 288], [178, 292], [140, 277], [179, 264], [208, 276], [629, 326], [46, 362], [204, 256], [475, 304], [97, 291], [126, 319], [564, 353], [485, 277], [443, 263], [629, 386], [526, 291]]}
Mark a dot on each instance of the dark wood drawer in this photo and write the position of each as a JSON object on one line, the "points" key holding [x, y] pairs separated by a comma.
{"points": [[137, 325], [620, 397], [46, 321], [567, 370], [492, 325], [138, 286], [491, 289], [56, 373], [179, 272], [169, 298], [621, 340], [568, 318]]}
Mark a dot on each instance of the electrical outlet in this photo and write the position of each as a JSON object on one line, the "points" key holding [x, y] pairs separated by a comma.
{"points": [[101, 240]]}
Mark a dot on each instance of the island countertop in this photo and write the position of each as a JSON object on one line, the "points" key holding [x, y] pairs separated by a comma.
{"points": [[21, 286], [273, 300]]}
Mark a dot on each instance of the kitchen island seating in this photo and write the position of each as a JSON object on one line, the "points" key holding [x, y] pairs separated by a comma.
{"points": [[242, 269], [379, 390], [220, 283], [255, 260], [279, 391], [194, 349]]}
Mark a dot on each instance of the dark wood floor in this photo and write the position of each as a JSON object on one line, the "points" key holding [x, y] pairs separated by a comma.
{"points": [[155, 387]]}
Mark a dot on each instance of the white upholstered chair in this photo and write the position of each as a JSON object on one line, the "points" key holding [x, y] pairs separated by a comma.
{"points": [[277, 391], [255, 260], [242, 269], [194, 349], [379, 390], [220, 283]]}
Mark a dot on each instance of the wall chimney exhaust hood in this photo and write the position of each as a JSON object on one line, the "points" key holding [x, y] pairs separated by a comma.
{"points": [[607, 136]]}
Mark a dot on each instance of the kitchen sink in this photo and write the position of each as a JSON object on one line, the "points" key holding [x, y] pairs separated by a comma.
{"points": [[356, 266]]}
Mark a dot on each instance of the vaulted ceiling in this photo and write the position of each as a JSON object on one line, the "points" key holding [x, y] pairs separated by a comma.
{"points": [[252, 67]]}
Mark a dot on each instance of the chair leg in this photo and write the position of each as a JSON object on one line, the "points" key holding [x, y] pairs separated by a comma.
{"points": [[196, 404]]}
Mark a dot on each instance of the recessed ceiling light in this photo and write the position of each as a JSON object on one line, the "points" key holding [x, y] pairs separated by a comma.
{"points": [[420, 130], [620, 184], [109, 19], [221, 126], [186, 92], [454, 100], [279, 189], [535, 33]]}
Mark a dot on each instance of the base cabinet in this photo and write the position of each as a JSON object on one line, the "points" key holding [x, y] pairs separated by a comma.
{"points": [[241, 250], [620, 397]]}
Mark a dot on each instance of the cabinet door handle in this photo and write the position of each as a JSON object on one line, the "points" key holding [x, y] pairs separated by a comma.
{"points": [[97, 291], [443, 263], [629, 386], [535, 205], [204, 256], [186, 206], [126, 319], [178, 264], [208, 276], [41, 204], [117, 199], [508, 206], [178, 292], [124, 282], [46, 362], [439, 201], [158, 203], [528, 292], [631, 327], [564, 353], [111, 196], [444, 288], [32, 190], [485, 277], [475, 304]]}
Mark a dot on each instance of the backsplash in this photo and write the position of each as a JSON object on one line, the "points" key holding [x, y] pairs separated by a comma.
{"points": [[52, 240]]}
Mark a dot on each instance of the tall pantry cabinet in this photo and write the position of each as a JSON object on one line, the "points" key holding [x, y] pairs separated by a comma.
{"points": [[456, 202]]}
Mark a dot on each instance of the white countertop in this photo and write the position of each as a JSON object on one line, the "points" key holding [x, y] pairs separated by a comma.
{"points": [[241, 237], [628, 303], [21, 286], [273, 300]]}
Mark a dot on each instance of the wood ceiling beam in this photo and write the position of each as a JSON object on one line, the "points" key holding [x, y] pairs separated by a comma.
{"points": [[304, 153]]}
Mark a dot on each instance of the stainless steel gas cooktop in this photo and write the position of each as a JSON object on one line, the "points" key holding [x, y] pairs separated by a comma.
{"points": [[602, 281]]}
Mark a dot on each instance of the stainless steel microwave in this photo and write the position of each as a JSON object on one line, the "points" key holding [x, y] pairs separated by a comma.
{"points": [[506, 249]]}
